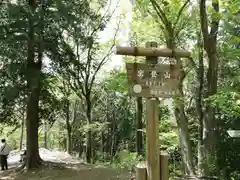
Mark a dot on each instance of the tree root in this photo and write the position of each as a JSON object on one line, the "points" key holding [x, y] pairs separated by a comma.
{"points": [[25, 165]]}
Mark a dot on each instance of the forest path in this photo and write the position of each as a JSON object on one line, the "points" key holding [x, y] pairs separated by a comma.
{"points": [[63, 167]]}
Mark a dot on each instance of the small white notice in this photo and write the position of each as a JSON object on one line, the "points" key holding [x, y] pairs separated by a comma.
{"points": [[137, 88]]}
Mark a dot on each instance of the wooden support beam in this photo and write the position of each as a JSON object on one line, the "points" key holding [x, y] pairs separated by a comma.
{"points": [[153, 163], [151, 51]]}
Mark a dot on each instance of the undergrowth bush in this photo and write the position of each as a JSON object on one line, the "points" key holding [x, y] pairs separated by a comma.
{"points": [[126, 159]]}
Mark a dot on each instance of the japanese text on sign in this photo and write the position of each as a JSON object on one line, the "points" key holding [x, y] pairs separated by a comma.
{"points": [[153, 80]]}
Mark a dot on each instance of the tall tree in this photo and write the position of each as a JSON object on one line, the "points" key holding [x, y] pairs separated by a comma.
{"points": [[33, 76], [210, 46], [171, 25], [84, 59], [68, 111]]}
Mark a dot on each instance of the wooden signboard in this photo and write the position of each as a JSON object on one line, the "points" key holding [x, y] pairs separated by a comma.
{"points": [[153, 80]]}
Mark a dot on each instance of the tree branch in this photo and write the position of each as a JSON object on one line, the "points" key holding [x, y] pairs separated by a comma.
{"points": [[103, 61], [90, 47], [88, 65], [79, 70], [215, 20], [160, 12], [75, 84], [161, 26], [176, 34], [179, 14], [193, 64], [204, 22]]}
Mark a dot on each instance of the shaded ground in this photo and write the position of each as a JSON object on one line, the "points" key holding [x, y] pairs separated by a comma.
{"points": [[68, 174], [65, 167]]}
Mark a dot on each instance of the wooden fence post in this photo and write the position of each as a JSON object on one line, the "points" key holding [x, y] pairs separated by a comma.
{"points": [[164, 170], [141, 172]]}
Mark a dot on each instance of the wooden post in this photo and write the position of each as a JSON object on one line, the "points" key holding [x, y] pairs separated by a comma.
{"points": [[164, 170], [141, 172], [153, 171]]}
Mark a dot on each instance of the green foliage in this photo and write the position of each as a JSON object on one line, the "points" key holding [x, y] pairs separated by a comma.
{"points": [[117, 81], [75, 55], [13, 137], [96, 127], [231, 106], [168, 135], [126, 159]]}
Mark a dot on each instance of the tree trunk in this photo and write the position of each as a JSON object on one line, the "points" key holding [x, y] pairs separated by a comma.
{"points": [[22, 133], [181, 118], [33, 77], [69, 138], [199, 108], [69, 128], [210, 46], [89, 147], [113, 144], [32, 120], [69, 142], [82, 149], [185, 143], [45, 135], [89, 133], [102, 145], [139, 135]]}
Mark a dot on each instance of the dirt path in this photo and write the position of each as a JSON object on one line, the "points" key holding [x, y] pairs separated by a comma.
{"points": [[84, 173], [65, 167]]}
